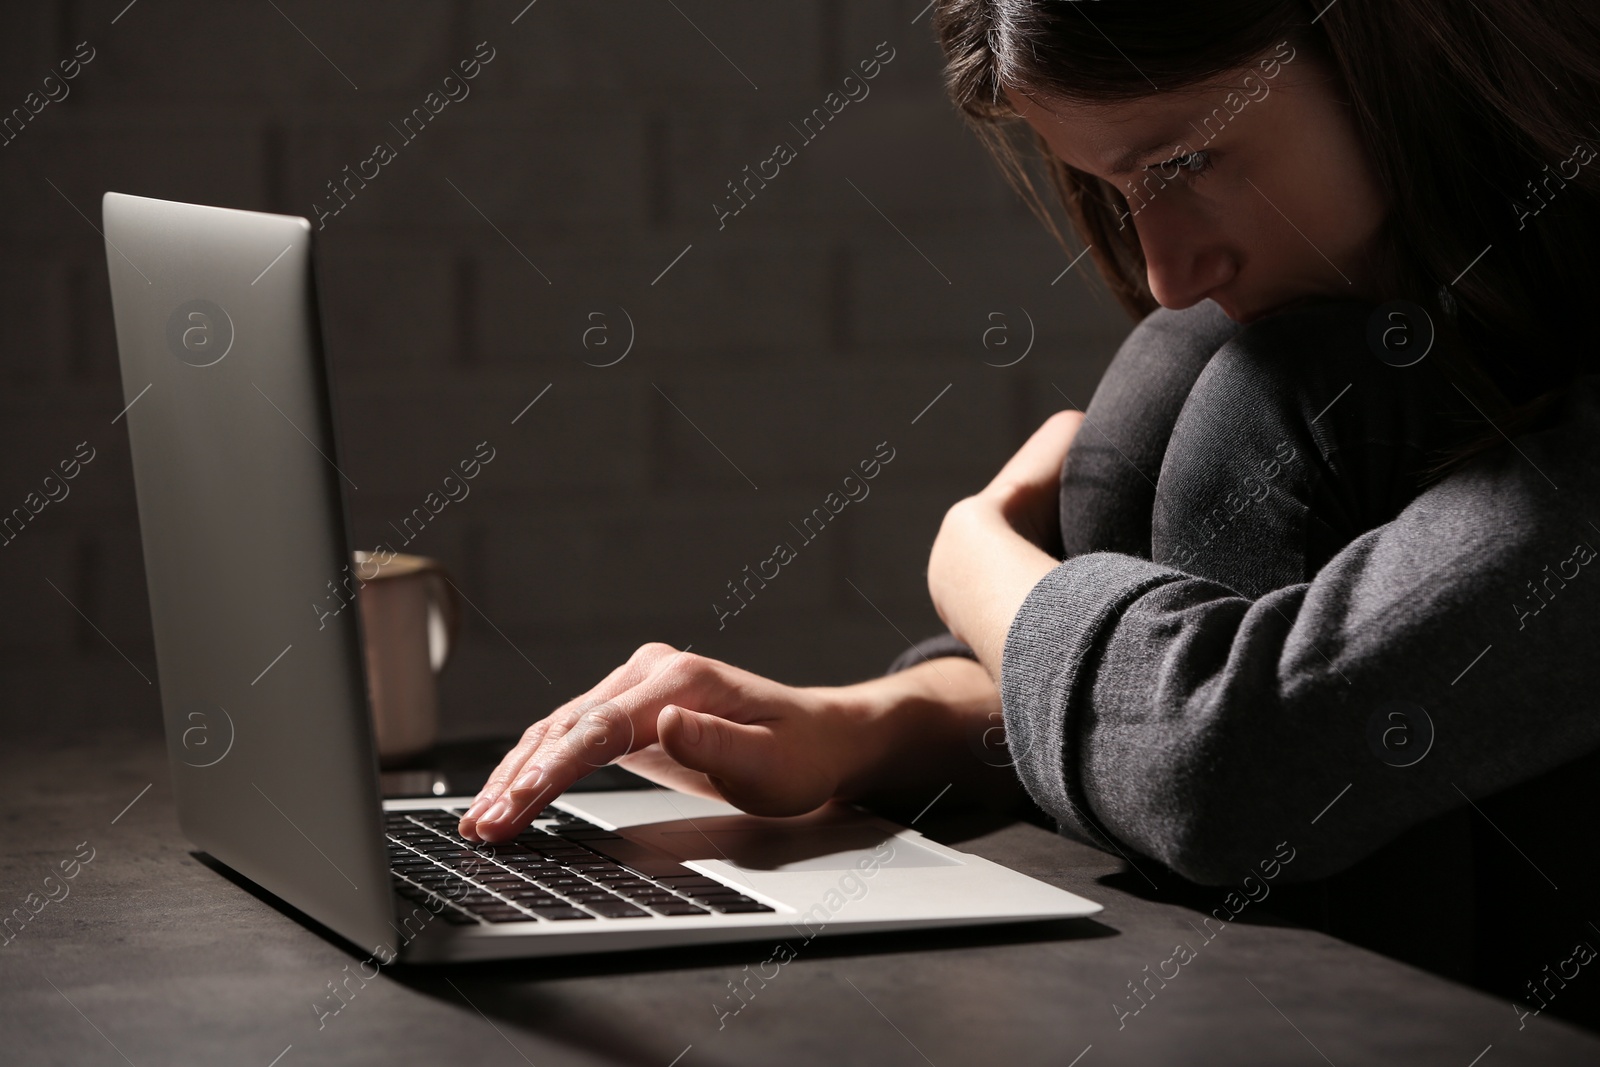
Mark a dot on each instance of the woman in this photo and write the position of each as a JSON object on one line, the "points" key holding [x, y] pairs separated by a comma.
{"points": [[1314, 565]]}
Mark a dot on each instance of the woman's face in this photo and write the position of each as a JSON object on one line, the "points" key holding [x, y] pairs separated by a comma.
{"points": [[1253, 190]]}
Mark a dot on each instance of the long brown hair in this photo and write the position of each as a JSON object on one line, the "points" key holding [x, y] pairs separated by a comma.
{"points": [[1473, 114]]}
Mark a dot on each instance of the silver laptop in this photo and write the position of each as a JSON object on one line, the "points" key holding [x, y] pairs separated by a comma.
{"points": [[242, 513]]}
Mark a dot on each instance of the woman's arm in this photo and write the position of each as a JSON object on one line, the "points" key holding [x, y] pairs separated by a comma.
{"points": [[706, 727], [987, 555], [924, 728], [1444, 655]]}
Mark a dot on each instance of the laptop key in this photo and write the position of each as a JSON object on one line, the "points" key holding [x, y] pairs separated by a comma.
{"points": [[734, 907], [561, 914], [650, 862], [436, 817], [458, 856], [522, 886], [620, 910], [584, 896], [682, 907], [505, 914]]}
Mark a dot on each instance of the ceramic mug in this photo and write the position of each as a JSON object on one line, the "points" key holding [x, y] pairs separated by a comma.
{"points": [[411, 617]]}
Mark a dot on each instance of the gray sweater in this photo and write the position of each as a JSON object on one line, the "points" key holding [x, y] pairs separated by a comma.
{"points": [[1158, 713]]}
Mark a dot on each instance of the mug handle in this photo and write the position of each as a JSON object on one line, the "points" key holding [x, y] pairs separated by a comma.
{"points": [[444, 602], [444, 616]]}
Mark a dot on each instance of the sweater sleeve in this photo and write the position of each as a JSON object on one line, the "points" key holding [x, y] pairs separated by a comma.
{"points": [[1440, 657]]}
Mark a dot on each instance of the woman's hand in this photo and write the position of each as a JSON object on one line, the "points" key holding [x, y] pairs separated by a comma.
{"points": [[704, 727], [685, 721], [987, 555]]}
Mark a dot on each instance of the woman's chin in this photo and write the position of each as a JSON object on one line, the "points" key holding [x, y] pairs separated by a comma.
{"points": [[1244, 316]]}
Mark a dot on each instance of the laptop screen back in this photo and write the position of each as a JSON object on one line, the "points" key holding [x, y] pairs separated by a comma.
{"points": [[242, 518]]}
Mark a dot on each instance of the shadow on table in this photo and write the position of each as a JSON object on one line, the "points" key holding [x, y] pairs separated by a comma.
{"points": [[1203, 900], [527, 992]]}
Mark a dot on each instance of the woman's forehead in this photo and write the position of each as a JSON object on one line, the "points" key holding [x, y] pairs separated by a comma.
{"points": [[1113, 137], [1107, 138]]}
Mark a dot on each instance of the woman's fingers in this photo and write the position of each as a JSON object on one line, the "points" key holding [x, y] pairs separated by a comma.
{"points": [[1038, 461], [595, 738], [558, 722], [582, 737], [1027, 489], [756, 744]]}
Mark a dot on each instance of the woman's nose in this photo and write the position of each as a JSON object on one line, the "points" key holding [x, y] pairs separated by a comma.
{"points": [[1184, 266]]}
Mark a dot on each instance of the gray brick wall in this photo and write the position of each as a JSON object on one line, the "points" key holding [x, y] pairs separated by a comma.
{"points": [[461, 281]]}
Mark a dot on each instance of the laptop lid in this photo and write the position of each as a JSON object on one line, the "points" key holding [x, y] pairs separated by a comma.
{"points": [[242, 516]]}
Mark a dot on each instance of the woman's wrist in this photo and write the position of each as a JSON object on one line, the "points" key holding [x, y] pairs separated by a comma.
{"points": [[908, 735]]}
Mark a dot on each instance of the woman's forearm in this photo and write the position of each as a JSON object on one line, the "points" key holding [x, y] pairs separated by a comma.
{"points": [[938, 725], [915, 732], [987, 558], [981, 571]]}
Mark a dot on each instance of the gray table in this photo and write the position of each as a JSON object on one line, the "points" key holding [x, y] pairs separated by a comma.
{"points": [[155, 958]]}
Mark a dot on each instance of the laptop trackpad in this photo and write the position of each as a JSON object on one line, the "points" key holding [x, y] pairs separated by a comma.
{"points": [[796, 848]]}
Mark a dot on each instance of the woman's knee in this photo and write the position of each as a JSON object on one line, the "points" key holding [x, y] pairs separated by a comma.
{"points": [[1297, 432], [1108, 480], [1309, 376], [1165, 353], [1294, 364]]}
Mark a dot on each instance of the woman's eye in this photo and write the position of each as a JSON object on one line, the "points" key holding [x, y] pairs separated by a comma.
{"points": [[1191, 164]]}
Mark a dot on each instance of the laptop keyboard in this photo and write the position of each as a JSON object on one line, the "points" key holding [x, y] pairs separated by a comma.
{"points": [[560, 869]]}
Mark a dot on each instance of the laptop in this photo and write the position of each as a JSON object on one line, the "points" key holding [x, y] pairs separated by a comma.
{"points": [[243, 517]]}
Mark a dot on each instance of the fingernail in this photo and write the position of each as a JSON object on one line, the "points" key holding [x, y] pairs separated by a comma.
{"points": [[501, 809], [529, 780], [691, 728], [477, 808]]}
